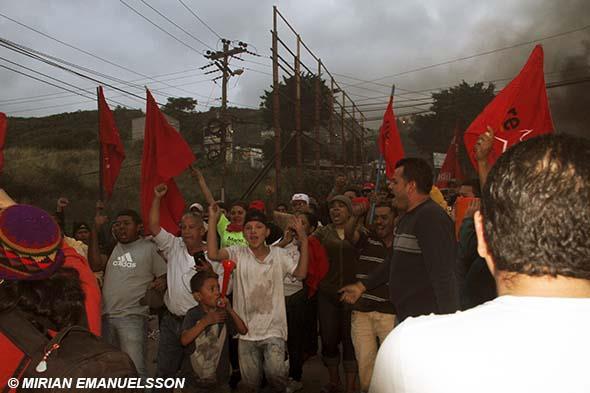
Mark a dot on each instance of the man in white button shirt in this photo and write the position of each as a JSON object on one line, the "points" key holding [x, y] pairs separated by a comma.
{"points": [[533, 231], [185, 256]]}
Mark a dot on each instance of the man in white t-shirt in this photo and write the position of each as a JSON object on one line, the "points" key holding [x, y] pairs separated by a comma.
{"points": [[259, 296], [185, 255], [533, 232]]}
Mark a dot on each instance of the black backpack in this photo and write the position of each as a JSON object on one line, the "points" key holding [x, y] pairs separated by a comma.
{"points": [[73, 353]]}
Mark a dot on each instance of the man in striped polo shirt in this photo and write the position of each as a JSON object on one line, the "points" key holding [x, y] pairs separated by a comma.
{"points": [[374, 315]]}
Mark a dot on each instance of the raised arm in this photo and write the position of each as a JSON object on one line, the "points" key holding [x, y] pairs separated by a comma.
{"points": [[196, 173], [352, 227], [60, 213], [213, 252], [300, 271], [159, 191], [483, 148], [97, 260]]}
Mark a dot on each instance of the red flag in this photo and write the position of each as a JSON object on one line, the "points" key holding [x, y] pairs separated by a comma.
{"points": [[390, 144], [3, 127], [519, 112], [450, 168], [110, 143], [165, 155]]}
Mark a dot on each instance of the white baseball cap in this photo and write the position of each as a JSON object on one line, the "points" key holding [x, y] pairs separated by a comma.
{"points": [[300, 197], [197, 206]]}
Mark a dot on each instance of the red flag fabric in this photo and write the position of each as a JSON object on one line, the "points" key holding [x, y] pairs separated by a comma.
{"points": [[3, 127], [519, 112], [165, 155], [450, 168], [113, 153], [390, 144]]}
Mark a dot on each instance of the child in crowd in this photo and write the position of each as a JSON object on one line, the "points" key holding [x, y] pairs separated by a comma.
{"points": [[206, 331], [259, 295]]}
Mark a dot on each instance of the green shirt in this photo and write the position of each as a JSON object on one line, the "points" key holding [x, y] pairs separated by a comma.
{"points": [[229, 238]]}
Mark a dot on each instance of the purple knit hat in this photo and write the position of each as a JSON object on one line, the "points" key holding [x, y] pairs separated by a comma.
{"points": [[30, 243]]}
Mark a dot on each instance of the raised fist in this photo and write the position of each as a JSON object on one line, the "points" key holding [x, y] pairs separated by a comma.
{"points": [[62, 203], [160, 190]]}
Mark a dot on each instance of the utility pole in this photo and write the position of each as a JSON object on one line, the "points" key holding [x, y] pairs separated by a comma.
{"points": [[344, 159], [316, 117], [276, 111], [299, 170], [221, 60], [363, 155]]}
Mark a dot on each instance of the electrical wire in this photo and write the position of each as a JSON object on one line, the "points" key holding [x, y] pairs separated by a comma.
{"points": [[179, 27], [481, 54], [199, 19], [161, 28]]}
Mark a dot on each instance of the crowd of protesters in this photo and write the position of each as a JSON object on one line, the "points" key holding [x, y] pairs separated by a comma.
{"points": [[363, 269]]}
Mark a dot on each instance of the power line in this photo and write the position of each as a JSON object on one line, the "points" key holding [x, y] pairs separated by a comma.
{"points": [[91, 54], [52, 96], [432, 90], [481, 54], [38, 56], [160, 28], [35, 98], [68, 45], [43, 57], [199, 19], [179, 27], [41, 80], [549, 85]]}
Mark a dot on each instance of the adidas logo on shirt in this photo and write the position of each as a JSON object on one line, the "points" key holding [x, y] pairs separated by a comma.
{"points": [[125, 260]]}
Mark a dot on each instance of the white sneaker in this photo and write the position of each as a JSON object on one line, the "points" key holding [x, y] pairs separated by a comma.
{"points": [[294, 386]]}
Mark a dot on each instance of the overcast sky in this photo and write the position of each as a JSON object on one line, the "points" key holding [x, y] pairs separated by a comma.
{"points": [[367, 40]]}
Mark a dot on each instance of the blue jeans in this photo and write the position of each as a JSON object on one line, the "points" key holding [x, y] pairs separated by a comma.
{"points": [[170, 350], [129, 334], [264, 355]]}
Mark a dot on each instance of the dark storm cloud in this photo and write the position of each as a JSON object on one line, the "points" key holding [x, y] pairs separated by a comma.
{"points": [[362, 39]]}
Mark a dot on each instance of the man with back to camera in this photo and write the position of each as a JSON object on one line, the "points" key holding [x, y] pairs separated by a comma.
{"points": [[533, 232]]}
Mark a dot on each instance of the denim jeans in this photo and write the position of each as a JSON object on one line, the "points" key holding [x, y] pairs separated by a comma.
{"points": [[265, 355], [170, 351], [367, 327], [129, 334]]}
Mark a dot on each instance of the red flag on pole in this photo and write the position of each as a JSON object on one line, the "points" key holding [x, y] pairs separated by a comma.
{"points": [[390, 144], [112, 152], [165, 155], [450, 168], [3, 127], [519, 112]]}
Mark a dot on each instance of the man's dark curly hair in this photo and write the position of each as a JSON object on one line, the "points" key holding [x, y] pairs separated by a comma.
{"points": [[58, 299], [536, 208]]}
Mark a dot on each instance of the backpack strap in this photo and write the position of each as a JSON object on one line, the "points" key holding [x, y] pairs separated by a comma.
{"points": [[22, 336], [21, 332]]}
